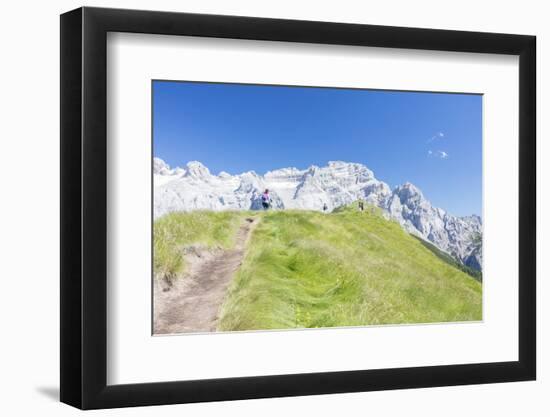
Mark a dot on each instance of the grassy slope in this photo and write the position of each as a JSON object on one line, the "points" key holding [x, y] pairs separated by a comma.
{"points": [[309, 269], [176, 231], [450, 260]]}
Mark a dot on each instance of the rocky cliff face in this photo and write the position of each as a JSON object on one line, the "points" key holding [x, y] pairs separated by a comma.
{"points": [[337, 184]]}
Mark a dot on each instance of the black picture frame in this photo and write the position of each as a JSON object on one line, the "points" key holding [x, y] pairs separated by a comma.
{"points": [[84, 207]]}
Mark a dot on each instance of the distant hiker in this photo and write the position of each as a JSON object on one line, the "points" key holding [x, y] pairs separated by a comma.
{"points": [[325, 207], [266, 199], [361, 206]]}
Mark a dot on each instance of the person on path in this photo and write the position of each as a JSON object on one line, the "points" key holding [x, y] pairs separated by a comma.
{"points": [[325, 207], [266, 199], [361, 206]]}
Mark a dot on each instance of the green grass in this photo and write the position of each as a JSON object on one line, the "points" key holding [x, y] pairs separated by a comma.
{"points": [[306, 269], [174, 232]]}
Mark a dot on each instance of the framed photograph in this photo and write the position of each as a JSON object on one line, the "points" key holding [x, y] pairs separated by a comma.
{"points": [[258, 208]]}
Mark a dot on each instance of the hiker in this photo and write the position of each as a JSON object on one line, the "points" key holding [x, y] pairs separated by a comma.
{"points": [[361, 206], [325, 207], [266, 199]]}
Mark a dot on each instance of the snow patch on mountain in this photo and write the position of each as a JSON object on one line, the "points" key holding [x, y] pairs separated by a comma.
{"points": [[339, 183]]}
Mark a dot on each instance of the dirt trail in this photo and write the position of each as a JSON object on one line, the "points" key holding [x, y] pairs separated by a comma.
{"points": [[192, 304]]}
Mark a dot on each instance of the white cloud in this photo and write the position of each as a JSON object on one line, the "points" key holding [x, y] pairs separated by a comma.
{"points": [[438, 135], [438, 154]]}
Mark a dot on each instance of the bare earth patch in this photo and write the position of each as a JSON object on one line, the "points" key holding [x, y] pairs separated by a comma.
{"points": [[192, 303]]}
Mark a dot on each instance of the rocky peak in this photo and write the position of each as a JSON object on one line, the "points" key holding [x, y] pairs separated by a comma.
{"points": [[472, 219], [160, 167], [408, 194], [197, 170], [224, 175], [350, 168], [289, 173]]}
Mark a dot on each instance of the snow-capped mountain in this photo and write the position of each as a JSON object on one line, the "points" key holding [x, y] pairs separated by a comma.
{"points": [[337, 184]]}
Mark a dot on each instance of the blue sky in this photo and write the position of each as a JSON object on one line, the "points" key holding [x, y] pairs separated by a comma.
{"points": [[432, 140]]}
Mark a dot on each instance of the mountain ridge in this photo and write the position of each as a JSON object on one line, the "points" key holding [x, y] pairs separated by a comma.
{"points": [[338, 183]]}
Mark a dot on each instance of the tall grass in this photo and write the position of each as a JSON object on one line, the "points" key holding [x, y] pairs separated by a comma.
{"points": [[175, 232], [306, 269]]}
